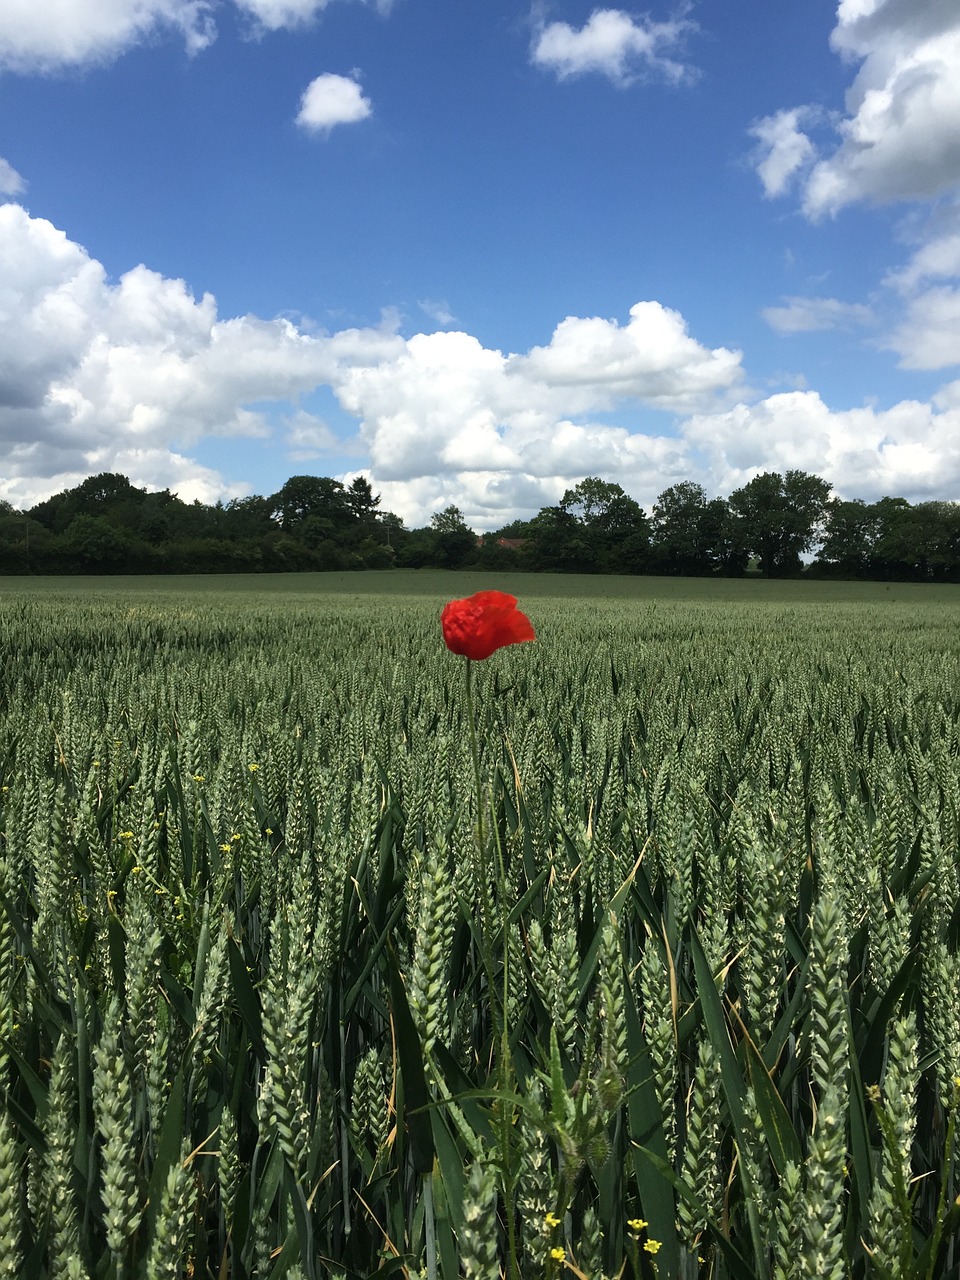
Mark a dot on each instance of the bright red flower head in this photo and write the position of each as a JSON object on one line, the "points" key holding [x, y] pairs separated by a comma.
{"points": [[483, 623]]}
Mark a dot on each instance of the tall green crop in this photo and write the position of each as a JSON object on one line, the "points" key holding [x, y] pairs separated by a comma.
{"points": [[254, 1017]]}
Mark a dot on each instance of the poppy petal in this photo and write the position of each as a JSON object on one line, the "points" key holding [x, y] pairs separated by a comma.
{"points": [[479, 625]]}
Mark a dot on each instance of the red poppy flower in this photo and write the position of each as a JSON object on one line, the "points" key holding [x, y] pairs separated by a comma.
{"points": [[483, 623]]}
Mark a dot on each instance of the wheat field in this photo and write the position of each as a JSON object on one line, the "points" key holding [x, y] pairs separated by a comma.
{"points": [[672, 989]]}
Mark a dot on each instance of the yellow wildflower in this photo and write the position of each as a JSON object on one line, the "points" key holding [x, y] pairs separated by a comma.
{"points": [[636, 1225], [558, 1254], [652, 1246], [551, 1221]]}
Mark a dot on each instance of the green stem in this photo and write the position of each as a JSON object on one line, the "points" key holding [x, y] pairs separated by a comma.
{"points": [[430, 1235], [944, 1182], [475, 756], [486, 906], [504, 1073]]}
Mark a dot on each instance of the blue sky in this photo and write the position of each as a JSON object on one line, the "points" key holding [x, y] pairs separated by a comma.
{"points": [[477, 251]]}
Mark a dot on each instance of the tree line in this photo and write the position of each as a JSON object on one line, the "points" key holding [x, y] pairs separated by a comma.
{"points": [[776, 525]]}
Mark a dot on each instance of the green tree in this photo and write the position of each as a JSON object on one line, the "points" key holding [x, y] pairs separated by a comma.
{"points": [[939, 539], [848, 541], [312, 497], [919, 542], [158, 517], [105, 495], [690, 535], [197, 520], [590, 500], [94, 545], [393, 528], [24, 542], [613, 532], [454, 542], [362, 501], [718, 533], [558, 543], [894, 550], [622, 537], [368, 538], [507, 548], [418, 549], [246, 519], [391, 536], [777, 518]]}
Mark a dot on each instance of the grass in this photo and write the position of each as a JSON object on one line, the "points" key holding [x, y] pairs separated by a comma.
{"points": [[443, 585], [661, 982]]}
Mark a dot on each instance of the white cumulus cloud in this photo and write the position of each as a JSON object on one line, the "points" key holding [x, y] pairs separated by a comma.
{"points": [[928, 335], [309, 437], [65, 33], [274, 15], [330, 100], [910, 450], [56, 34], [810, 315], [937, 259], [783, 149], [91, 370], [652, 358], [437, 310], [899, 137], [11, 183], [278, 15], [94, 373], [509, 433], [129, 375], [614, 44]]}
